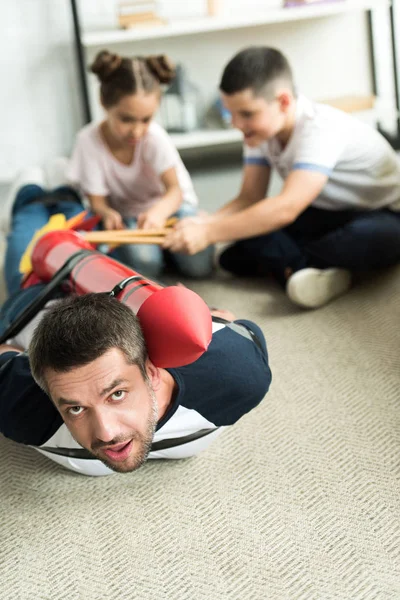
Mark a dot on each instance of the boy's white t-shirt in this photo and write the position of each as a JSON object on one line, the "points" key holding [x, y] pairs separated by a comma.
{"points": [[131, 189], [363, 169]]}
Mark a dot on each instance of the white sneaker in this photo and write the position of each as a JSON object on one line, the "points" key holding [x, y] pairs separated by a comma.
{"points": [[29, 175], [312, 288], [56, 172]]}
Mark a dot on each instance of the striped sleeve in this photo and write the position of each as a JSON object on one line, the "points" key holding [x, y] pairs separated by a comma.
{"points": [[256, 156], [321, 146]]}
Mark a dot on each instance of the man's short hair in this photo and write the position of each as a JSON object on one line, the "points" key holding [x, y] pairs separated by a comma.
{"points": [[79, 329], [258, 68]]}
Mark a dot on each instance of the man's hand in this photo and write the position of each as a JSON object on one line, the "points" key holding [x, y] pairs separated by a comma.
{"points": [[223, 314], [189, 236], [112, 219], [215, 312], [10, 348]]}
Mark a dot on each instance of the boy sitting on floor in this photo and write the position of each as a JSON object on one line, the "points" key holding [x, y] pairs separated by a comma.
{"points": [[339, 209]]}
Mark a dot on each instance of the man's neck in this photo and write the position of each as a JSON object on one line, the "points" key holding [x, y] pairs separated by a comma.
{"points": [[166, 392]]}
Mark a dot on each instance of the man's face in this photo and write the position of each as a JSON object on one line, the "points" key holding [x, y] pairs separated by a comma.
{"points": [[258, 119], [109, 408]]}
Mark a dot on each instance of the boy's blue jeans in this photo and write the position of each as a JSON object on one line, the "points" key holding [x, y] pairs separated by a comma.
{"points": [[149, 259], [353, 240], [27, 217]]}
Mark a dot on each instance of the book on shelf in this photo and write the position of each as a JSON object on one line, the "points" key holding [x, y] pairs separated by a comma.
{"points": [[136, 6], [138, 13], [293, 3]]}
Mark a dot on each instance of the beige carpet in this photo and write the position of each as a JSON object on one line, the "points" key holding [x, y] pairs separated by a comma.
{"points": [[300, 500]]}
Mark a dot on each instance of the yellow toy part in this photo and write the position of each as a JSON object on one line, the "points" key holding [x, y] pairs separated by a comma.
{"points": [[76, 221], [55, 222]]}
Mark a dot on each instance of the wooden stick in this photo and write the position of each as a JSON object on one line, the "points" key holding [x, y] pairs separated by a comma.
{"points": [[126, 233], [117, 237], [171, 221], [110, 238]]}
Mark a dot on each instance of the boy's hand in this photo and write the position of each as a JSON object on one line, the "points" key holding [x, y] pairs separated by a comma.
{"points": [[154, 218], [189, 236], [112, 219]]}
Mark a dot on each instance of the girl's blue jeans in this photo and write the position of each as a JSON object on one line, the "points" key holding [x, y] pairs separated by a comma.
{"points": [[30, 214]]}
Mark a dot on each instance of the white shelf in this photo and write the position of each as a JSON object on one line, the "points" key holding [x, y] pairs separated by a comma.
{"points": [[218, 137], [206, 137], [210, 24]]}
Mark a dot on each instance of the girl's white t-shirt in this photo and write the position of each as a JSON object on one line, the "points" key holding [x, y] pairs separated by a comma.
{"points": [[134, 188]]}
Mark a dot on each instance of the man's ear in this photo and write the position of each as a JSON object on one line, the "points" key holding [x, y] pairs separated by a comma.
{"points": [[153, 373]]}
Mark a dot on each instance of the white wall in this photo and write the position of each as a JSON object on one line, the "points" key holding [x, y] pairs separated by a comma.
{"points": [[102, 14], [324, 66], [40, 101]]}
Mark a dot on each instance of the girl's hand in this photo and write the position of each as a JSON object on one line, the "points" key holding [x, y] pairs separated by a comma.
{"points": [[151, 219], [112, 219]]}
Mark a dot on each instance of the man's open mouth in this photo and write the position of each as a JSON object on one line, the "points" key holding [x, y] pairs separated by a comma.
{"points": [[119, 452]]}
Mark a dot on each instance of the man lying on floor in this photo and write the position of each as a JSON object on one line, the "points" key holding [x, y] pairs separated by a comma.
{"points": [[87, 396]]}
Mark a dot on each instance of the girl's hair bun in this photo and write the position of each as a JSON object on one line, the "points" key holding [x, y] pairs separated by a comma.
{"points": [[161, 67], [105, 64]]}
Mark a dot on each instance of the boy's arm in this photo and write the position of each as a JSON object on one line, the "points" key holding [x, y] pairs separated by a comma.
{"points": [[254, 187], [168, 204], [300, 189]]}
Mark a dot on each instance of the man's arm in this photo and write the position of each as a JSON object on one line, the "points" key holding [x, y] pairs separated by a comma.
{"points": [[217, 312], [27, 415], [269, 214], [10, 348], [222, 313]]}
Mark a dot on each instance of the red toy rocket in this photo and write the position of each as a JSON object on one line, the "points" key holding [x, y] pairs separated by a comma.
{"points": [[176, 322]]}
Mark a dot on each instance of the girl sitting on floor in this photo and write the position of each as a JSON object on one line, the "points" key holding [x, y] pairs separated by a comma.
{"points": [[128, 167]]}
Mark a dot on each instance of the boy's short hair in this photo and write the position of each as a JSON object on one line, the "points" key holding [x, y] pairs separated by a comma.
{"points": [[258, 68]]}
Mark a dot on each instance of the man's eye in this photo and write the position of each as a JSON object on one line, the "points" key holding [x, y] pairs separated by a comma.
{"points": [[118, 395], [75, 410]]}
